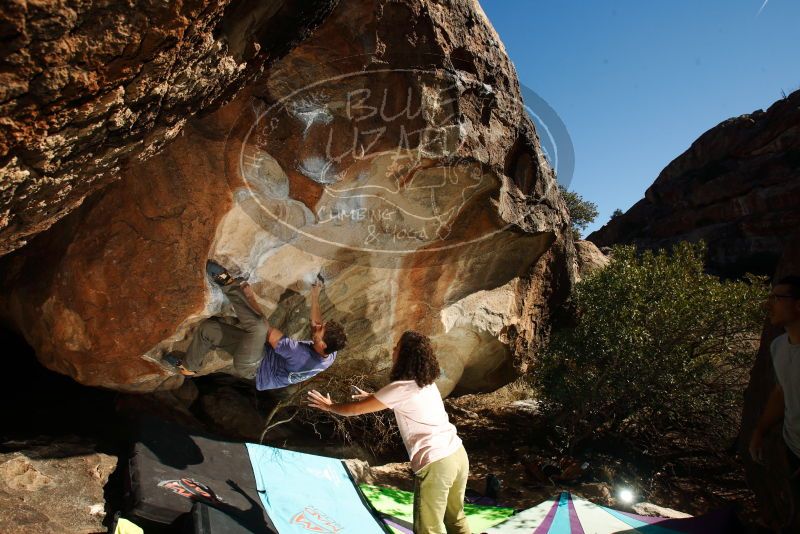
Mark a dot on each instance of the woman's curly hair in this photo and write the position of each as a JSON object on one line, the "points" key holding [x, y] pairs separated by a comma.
{"points": [[416, 360]]}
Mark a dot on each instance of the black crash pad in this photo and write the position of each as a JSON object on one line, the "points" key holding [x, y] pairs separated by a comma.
{"points": [[165, 451]]}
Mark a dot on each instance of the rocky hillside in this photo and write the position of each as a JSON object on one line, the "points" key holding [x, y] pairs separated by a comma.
{"points": [[737, 187], [388, 150]]}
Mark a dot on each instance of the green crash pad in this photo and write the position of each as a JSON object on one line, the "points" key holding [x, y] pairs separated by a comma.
{"points": [[399, 505]]}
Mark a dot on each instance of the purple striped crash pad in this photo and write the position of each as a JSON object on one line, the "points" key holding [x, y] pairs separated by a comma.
{"points": [[568, 514]]}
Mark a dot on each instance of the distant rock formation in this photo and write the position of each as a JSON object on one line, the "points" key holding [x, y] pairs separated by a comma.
{"points": [[389, 151], [737, 187], [86, 88]]}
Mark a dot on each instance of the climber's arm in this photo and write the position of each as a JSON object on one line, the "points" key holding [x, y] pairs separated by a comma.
{"points": [[316, 315], [273, 335]]}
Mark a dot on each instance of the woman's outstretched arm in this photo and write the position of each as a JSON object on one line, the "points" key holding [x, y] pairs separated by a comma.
{"points": [[367, 404]]}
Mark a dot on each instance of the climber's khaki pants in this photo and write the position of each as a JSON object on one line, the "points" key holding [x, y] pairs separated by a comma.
{"points": [[439, 496], [245, 341]]}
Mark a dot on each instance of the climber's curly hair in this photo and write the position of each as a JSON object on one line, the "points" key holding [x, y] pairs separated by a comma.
{"points": [[416, 360], [335, 338]]}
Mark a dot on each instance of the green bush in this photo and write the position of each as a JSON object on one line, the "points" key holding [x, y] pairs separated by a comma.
{"points": [[659, 346]]}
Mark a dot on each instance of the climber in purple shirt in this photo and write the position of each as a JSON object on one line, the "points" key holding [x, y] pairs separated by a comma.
{"points": [[259, 350]]}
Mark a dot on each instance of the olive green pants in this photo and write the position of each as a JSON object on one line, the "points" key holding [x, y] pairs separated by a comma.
{"points": [[439, 496]]}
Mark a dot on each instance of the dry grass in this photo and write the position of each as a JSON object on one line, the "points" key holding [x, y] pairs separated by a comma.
{"points": [[368, 375]]}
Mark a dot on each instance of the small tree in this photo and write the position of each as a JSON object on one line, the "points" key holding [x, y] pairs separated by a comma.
{"points": [[617, 213], [659, 346], [581, 212]]}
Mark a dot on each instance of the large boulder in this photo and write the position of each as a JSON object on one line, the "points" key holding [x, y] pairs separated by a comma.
{"points": [[737, 187], [589, 258], [770, 482], [390, 151], [87, 86]]}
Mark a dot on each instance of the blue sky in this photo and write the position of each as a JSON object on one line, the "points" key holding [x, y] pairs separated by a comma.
{"points": [[637, 81]]}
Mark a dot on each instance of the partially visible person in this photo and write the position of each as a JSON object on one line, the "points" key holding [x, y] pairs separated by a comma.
{"points": [[438, 458], [783, 308]]}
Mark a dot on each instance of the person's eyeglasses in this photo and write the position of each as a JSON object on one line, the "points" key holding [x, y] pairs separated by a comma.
{"points": [[775, 297]]}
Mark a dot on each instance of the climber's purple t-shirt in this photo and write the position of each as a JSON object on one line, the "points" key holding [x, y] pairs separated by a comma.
{"points": [[290, 362]]}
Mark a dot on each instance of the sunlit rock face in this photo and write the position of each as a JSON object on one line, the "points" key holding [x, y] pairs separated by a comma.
{"points": [[736, 188], [88, 86], [51, 487], [589, 258], [389, 152]]}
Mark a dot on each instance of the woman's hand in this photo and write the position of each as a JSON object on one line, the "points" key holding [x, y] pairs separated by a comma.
{"points": [[319, 401], [361, 393], [366, 404]]}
